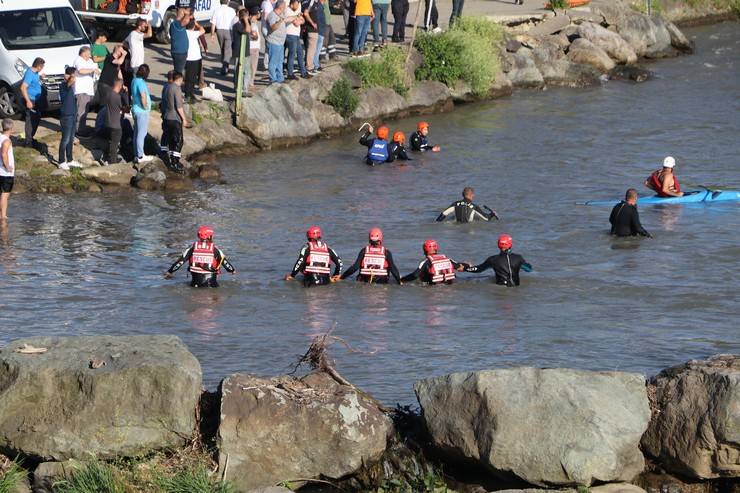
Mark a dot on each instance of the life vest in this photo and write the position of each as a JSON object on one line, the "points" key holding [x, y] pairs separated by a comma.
{"points": [[374, 262], [378, 152], [203, 260], [657, 184], [441, 269], [318, 259]]}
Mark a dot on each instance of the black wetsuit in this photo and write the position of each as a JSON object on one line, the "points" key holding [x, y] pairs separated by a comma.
{"points": [[466, 211], [398, 151], [625, 221], [420, 142], [200, 280], [375, 279], [311, 278], [367, 140], [423, 273], [506, 265]]}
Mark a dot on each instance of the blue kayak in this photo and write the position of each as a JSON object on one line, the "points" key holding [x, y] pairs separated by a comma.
{"points": [[695, 197]]}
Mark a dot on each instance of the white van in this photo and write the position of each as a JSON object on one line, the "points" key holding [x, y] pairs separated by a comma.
{"points": [[29, 29]]}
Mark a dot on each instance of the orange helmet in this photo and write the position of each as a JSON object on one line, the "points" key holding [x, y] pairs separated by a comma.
{"points": [[313, 233], [505, 242], [376, 235], [421, 126], [399, 137], [383, 132], [430, 247], [205, 233]]}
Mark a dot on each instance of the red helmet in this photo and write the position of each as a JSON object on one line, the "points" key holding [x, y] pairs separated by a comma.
{"points": [[376, 235], [421, 126], [313, 233], [383, 132], [205, 233], [505, 242], [430, 247], [399, 137]]}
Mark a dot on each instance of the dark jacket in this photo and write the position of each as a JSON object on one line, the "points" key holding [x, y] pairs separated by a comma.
{"points": [[625, 221]]}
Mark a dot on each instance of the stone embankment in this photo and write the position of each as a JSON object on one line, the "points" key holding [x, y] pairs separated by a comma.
{"points": [[113, 397]]}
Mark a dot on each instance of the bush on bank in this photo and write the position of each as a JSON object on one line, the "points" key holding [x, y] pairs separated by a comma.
{"points": [[386, 70], [468, 51], [342, 98]]}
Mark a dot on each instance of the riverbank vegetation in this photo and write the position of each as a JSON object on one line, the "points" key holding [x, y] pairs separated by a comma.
{"points": [[386, 70], [342, 98], [469, 51]]}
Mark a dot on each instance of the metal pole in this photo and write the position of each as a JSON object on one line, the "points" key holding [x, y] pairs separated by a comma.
{"points": [[649, 7], [239, 89]]}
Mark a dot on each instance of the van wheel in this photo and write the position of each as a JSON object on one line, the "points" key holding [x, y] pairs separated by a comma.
{"points": [[8, 104], [163, 34]]}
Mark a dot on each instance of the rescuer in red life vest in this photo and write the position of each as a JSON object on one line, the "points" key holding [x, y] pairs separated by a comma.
{"points": [[315, 261], [205, 261], [663, 181], [435, 268], [374, 262]]}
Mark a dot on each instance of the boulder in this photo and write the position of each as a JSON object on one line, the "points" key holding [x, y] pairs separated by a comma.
{"points": [[679, 39], [695, 427], [276, 114], [585, 52], [54, 406], [154, 180], [327, 118], [209, 172], [523, 71], [616, 488], [634, 73], [114, 174], [545, 427], [661, 48], [378, 102], [177, 183], [427, 94], [648, 36], [284, 429], [48, 473], [612, 43]]}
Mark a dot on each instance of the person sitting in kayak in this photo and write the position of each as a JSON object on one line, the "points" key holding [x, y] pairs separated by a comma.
{"points": [[205, 261], [505, 265], [625, 219], [374, 262], [315, 261], [466, 211], [435, 268], [398, 150], [664, 182], [379, 150], [420, 139]]}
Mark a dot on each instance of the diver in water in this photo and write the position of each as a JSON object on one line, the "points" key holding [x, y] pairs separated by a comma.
{"points": [[435, 268], [420, 139], [506, 265], [374, 262], [315, 261], [205, 261], [466, 211], [378, 148], [398, 150]]}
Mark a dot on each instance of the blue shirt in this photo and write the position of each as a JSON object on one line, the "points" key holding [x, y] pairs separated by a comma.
{"points": [[69, 103], [138, 88], [179, 37], [34, 84]]}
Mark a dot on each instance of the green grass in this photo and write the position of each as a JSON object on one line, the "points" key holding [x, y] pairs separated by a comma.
{"points": [[192, 480], [343, 98], [385, 70], [11, 478], [93, 477], [559, 4], [469, 51]]}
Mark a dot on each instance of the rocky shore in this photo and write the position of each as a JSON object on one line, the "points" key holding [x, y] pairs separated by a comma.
{"points": [[86, 400]]}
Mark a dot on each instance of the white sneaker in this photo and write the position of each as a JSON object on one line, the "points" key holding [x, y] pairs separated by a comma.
{"points": [[64, 166], [74, 164], [146, 159], [437, 30]]}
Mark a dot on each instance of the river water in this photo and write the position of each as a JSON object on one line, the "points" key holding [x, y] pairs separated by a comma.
{"points": [[91, 264]]}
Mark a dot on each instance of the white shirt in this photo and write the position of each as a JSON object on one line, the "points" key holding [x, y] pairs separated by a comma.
{"points": [[85, 84], [11, 158], [255, 44], [292, 29], [223, 17], [135, 42], [266, 7], [193, 46]]}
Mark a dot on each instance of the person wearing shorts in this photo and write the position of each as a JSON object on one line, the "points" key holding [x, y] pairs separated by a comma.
{"points": [[7, 167]]}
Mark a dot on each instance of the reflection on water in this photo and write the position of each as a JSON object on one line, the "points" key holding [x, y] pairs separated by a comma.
{"points": [[92, 264]]}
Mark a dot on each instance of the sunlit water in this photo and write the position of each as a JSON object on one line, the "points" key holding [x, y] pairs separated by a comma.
{"points": [[91, 264]]}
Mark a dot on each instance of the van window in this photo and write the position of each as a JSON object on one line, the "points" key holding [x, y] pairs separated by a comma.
{"points": [[40, 28]]}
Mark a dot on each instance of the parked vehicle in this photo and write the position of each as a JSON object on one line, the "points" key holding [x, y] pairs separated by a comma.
{"points": [[40, 28], [117, 15]]}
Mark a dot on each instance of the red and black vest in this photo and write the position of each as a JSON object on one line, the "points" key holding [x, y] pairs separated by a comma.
{"points": [[440, 269], [203, 260], [657, 184], [318, 260], [374, 264]]}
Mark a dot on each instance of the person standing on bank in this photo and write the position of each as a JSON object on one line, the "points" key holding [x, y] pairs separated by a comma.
{"points": [[179, 40], [141, 104], [276, 22], [135, 43], [293, 39], [32, 97], [380, 22], [7, 167], [68, 120], [115, 105], [363, 16], [457, 8], [400, 10], [625, 219], [431, 16], [316, 28], [224, 17], [194, 60], [84, 85], [111, 71], [175, 121]]}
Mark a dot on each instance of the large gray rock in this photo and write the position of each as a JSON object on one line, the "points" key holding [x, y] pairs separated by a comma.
{"points": [[54, 406], [695, 428], [546, 427], [114, 174], [557, 70], [612, 43], [647, 36], [379, 102], [662, 46], [523, 71], [585, 52], [679, 39], [427, 94], [284, 429]]}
